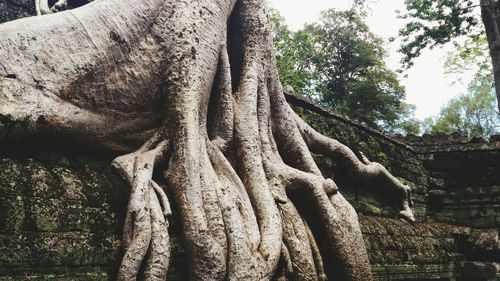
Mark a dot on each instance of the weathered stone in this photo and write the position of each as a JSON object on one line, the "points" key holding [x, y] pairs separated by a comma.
{"points": [[488, 271], [48, 226], [14, 9]]}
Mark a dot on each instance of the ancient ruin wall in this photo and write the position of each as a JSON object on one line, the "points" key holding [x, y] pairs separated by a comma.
{"points": [[455, 185]]}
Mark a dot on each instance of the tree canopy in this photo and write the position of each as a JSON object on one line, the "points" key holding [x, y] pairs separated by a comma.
{"points": [[474, 112], [437, 22], [295, 55]]}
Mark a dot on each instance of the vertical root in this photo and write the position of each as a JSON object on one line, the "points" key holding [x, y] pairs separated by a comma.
{"points": [[159, 250], [318, 260], [242, 234], [338, 221], [249, 152], [220, 126], [197, 204], [298, 247], [145, 225], [163, 199], [137, 242]]}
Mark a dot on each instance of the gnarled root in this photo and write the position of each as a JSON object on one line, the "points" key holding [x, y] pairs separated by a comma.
{"points": [[146, 229], [42, 7], [59, 6], [248, 191], [364, 169]]}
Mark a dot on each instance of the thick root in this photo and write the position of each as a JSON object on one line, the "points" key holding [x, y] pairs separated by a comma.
{"points": [[318, 260], [364, 169], [145, 229], [42, 7], [159, 251], [298, 252]]}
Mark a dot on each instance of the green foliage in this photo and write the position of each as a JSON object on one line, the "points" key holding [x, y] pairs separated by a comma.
{"points": [[472, 56], [339, 62], [473, 112], [295, 55], [406, 124], [436, 22], [354, 79]]}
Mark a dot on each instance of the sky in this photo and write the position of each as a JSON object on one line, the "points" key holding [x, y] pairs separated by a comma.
{"points": [[427, 87]]}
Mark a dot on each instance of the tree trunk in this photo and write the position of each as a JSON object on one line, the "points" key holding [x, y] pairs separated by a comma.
{"points": [[491, 20], [190, 87]]}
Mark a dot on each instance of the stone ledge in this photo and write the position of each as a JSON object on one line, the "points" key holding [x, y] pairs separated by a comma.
{"points": [[302, 101], [96, 276], [486, 270]]}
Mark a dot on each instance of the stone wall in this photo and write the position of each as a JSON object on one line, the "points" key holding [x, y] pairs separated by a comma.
{"points": [[464, 183], [59, 217], [456, 188], [14, 9]]}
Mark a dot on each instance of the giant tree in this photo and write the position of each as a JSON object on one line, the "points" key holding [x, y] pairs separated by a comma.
{"points": [[190, 87]]}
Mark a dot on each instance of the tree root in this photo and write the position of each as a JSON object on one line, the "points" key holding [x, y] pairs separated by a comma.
{"points": [[145, 230], [42, 7], [241, 172], [365, 169]]}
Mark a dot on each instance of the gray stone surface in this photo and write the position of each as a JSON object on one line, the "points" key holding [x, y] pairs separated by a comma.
{"points": [[14, 9]]}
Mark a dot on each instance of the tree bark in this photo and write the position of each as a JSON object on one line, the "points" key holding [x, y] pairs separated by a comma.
{"points": [[491, 20], [190, 87]]}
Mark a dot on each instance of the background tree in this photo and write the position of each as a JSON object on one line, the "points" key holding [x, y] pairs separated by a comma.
{"points": [[475, 111], [438, 22], [353, 77], [339, 62], [406, 124], [295, 56]]}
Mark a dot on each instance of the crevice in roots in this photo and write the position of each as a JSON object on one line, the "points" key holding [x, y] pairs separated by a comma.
{"points": [[220, 115], [234, 47]]}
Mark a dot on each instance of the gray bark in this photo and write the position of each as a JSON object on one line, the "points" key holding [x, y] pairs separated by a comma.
{"points": [[190, 86], [491, 20]]}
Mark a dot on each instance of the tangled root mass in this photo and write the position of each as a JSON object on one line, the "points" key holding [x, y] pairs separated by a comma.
{"points": [[236, 158]]}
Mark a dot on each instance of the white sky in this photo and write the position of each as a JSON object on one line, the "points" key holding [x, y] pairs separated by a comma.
{"points": [[426, 85]]}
